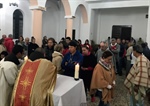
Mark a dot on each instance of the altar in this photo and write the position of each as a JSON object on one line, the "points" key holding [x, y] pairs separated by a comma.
{"points": [[69, 92]]}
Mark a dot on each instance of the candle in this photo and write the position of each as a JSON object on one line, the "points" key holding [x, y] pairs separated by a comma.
{"points": [[25, 58], [76, 75]]}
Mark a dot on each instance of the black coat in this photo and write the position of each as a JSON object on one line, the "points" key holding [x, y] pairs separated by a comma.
{"points": [[146, 52], [89, 61], [49, 52], [32, 47]]}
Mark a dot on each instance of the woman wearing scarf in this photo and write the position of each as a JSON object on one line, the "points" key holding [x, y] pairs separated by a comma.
{"points": [[103, 79], [89, 62]]}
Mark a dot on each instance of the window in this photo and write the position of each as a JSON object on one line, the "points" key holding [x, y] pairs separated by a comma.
{"points": [[17, 24]]}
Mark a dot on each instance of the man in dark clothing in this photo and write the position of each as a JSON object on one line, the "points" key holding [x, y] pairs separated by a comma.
{"points": [[32, 46], [121, 56], [49, 49], [71, 59], [146, 50]]}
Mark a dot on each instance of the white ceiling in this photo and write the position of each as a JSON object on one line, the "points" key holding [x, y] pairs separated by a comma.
{"points": [[107, 0]]}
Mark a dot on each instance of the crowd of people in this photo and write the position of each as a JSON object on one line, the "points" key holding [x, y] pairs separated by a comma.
{"points": [[98, 67]]}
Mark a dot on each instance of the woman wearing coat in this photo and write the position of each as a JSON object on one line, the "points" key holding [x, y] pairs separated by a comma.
{"points": [[103, 79], [57, 57]]}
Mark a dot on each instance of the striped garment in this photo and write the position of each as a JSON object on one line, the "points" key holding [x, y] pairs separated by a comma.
{"points": [[139, 75]]}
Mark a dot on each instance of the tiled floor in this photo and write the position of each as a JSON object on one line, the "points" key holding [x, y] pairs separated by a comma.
{"points": [[121, 97]]}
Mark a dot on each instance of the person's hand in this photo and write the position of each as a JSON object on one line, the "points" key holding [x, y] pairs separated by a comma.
{"points": [[75, 63], [66, 63], [82, 68], [109, 87], [114, 83]]}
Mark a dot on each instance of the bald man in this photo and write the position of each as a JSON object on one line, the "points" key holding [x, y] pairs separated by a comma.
{"points": [[26, 45], [27, 40], [103, 47]]}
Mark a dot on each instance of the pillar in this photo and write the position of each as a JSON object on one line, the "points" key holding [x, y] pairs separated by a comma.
{"points": [[37, 23], [69, 20]]}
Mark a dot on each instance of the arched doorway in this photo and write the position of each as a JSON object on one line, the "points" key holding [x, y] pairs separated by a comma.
{"points": [[17, 24], [80, 22], [54, 23]]}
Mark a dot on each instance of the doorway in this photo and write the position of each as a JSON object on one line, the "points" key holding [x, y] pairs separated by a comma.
{"points": [[122, 31], [17, 24], [73, 34]]}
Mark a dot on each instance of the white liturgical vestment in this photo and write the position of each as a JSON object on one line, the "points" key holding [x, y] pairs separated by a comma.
{"points": [[8, 75]]}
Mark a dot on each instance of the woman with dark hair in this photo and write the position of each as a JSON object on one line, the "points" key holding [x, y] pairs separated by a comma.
{"points": [[3, 55], [20, 41], [2, 46], [89, 62], [65, 47], [103, 79], [87, 43], [49, 49], [32, 46]]}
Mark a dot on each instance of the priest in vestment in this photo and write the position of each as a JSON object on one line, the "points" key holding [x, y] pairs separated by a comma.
{"points": [[35, 83], [8, 74]]}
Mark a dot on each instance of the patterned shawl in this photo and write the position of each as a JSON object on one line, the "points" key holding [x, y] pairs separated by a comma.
{"points": [[139, 75]]}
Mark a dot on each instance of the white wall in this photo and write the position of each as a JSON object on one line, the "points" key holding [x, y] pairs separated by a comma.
{"points": [[0, 23], [77, 23], [7, 17], [54, 23], [94, 24], [123, 16], [82, 29], [109, 0]]}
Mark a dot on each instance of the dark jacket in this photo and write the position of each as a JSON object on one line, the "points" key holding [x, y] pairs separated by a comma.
{"points": [[122, 50], [89, 62], [69, 61], [32, 47], [146, 52], [44, 42], [49, 52]]}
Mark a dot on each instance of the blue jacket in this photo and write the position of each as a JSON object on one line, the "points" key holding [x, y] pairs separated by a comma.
{"points": [[71, 60]]}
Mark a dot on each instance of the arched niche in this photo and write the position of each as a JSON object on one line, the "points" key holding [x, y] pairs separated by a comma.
{"points": [[17, 24], [81, 18], [54, 23]]}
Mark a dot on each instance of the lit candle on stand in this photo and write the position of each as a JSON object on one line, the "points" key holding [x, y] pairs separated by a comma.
{"points": [[76, 73]]}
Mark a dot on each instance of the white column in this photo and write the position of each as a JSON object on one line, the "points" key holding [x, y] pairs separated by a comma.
{"points": [[69, 20], [37, 23]]}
